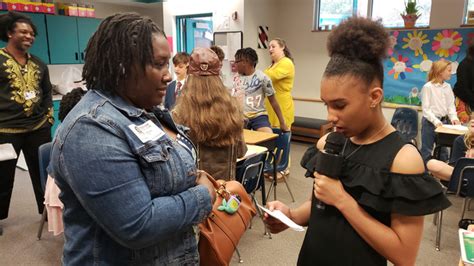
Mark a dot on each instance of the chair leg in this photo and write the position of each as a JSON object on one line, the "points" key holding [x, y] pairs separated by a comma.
{"points": [[288, 187], [260, 214], [43, 220], [269, 191], [464, 205], [238, 255], [438, 230], [435, 218]]}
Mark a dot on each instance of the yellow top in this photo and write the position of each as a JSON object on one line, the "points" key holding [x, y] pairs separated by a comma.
{"points": [[282, 74]]}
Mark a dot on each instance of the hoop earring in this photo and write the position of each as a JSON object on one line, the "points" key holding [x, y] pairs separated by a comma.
{"points": [[372, 105]]}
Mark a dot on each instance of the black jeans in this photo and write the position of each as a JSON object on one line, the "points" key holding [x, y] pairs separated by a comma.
{"points": [[28, 143]]}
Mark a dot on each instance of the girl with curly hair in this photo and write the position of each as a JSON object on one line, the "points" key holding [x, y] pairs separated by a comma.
{"points": [[213, 115], [374, 209]]}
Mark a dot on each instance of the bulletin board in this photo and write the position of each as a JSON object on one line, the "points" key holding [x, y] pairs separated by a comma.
{"points": [[411, 55]]}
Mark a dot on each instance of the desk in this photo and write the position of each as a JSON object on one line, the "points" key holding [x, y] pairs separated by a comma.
{"points": [[266, 140], [252, 150], [259, 138], [445, 138]]}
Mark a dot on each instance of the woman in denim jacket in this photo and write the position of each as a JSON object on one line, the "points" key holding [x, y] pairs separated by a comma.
{"points": [[127, 173]]}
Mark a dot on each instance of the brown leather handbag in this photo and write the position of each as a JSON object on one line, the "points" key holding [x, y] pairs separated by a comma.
{"points": [[220, 232]]}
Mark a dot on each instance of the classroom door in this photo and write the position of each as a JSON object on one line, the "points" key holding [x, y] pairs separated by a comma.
{"points": [[198, 33]]}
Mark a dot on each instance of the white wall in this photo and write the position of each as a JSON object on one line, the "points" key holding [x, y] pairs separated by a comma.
{"points": [[154, 11], [221, 14], [295, 20], [260, 13]]}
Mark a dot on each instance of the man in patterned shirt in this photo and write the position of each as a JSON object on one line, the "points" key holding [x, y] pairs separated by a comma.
{"points": [[25, 104]]}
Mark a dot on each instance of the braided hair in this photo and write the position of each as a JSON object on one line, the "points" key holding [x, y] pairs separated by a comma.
{"points": [[357, 47], [8, 23], [69, 101], [122, 41], [247, 54]]}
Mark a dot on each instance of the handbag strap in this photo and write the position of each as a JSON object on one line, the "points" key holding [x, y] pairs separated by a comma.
{"points": [[219, 185]]}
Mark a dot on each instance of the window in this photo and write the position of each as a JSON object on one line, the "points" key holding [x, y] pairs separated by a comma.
{"points": [[329, 13], [389, 12], [469, 7]]}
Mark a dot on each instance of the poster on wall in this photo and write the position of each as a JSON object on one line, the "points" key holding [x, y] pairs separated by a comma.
{"points": [[262, 37], [411, 55]]}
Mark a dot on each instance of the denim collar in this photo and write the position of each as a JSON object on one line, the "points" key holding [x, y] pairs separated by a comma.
{"points": [[120, 103]]}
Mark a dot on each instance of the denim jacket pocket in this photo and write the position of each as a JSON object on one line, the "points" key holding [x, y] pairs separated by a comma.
{"points": [[157, 166]]}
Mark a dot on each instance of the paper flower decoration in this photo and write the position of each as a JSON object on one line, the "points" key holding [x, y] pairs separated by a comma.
{"points": [[415, 41], [393, 40], [425, 65], [400, 66], [446, 43]]}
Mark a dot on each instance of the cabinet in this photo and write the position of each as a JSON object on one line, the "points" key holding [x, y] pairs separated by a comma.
{"points": [[68, 37], [40, 46], [56, 119]]}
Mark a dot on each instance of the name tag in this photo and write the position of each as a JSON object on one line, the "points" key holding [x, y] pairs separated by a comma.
{"points": [[147, 131], [30, 95]]}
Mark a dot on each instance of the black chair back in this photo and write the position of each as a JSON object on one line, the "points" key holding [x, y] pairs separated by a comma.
{"points": [[405, 120], [464, 171]]}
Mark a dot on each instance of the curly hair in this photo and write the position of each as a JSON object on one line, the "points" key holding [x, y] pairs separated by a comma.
{"points": [[207, 108], [8, 23], [437, 69], [248, 54], [357, 47], [219, 52], [69, 101], [122, 41]]}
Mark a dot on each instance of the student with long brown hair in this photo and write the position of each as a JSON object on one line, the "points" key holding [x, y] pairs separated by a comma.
{"points": [[213, 115]]}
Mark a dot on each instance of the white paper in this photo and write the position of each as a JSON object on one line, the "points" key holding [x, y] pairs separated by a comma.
{"points": [[456, 127], [7, 152], [283, 218]]}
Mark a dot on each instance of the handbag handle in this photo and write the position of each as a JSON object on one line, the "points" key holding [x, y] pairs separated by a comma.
{"points": [[219, 186]]}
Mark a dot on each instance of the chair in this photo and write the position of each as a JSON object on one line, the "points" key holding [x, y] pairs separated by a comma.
{"points": [[281, 156], [405, 120], [44, 153], [250, 174], [464, 171]]}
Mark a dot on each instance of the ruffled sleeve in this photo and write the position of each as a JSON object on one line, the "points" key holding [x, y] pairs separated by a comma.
{"points": [[406, 194]]}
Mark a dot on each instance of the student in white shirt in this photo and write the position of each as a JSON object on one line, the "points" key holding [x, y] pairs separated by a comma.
{"points": [[438, 107]]}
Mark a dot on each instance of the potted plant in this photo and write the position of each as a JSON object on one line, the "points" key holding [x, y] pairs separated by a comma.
{"points": [[411, 13]]}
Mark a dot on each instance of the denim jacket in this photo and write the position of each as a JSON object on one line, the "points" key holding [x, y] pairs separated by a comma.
{"points": [[125, 202]]}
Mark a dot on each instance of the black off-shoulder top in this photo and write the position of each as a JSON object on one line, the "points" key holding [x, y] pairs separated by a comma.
{"points": [[331, 240]]}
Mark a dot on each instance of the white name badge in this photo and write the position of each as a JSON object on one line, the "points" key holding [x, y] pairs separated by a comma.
{"points": [[147, 131], [30, 95]]}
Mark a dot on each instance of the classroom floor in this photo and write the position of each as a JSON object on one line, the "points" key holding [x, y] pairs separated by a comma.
{"points": [[19, 246]]}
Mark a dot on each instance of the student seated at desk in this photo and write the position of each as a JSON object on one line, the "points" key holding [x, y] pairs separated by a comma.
{"points": [[462, 147], [438, 107], [213, 115]]}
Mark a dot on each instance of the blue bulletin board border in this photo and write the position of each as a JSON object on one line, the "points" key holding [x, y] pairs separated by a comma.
{"points": [[410, 57]]}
